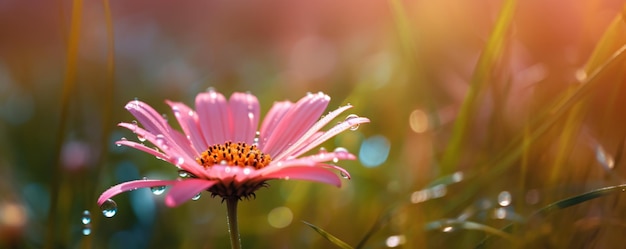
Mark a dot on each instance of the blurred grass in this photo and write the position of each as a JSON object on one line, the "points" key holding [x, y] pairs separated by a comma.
{"points": [[509, 96]]}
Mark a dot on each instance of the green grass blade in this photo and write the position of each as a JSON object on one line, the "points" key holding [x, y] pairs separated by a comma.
{"points": [[442, 225], [489, 57], [339, 243]]}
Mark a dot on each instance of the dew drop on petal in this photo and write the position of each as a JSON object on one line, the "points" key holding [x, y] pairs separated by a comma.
{"points": [[86, 217], [224, 162], [164, 117], [134, 125], [340, 150], [344, 175], [176, 111], [447, 229], [247, 171], [160, 139], [196, 197], [227, 169], [395, 240], [322, 150], [352, 116], [504, 198], [158, 190], [183, 174], [179, 161], [109, 208], [335, 160]]}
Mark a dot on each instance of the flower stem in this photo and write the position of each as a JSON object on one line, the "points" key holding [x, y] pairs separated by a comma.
{"points": [[233, 228]]}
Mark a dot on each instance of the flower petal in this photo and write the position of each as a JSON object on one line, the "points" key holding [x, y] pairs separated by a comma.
{"points": [[341, 127], [188, 120], [186, 189], [143, 148], [296, 122], [271, 120], [244, 113], [180, 157], [303, 141], [213, 117], [132, 185], [316, 174]]}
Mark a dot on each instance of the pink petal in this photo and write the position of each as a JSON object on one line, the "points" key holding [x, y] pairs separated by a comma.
{"points": [[180, 157], [271, 120], [143, 148], [309, 161], [315, 174], [213, 117], [341, 127], [304, 139], [132, 185], [188, 120], [244, 110], [184, 190], [296, 122]]}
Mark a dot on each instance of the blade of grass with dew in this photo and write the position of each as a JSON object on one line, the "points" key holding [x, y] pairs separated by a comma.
{"points": [[481, 77], [336, 241], [545, 120], [612, 39], [440, 225], [565, 203]]}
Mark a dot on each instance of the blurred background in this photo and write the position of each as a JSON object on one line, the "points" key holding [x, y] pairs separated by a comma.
{"points": [[483, 113]]}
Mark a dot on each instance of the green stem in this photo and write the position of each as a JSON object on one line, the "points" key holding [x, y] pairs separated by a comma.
{"points": [[233, 228]]}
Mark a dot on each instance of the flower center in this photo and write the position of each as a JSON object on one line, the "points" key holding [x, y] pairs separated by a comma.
{"points": [[234, 154]]}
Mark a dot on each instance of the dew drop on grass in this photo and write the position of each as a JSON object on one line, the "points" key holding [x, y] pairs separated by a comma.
{"points": [[109, 208], [352, 116], [86, 217], [504, 198]]}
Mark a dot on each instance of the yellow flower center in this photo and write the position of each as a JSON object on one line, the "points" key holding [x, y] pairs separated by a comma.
{"points": [[234, 154]]}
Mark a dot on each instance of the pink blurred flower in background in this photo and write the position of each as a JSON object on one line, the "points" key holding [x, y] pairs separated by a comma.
{"points": [[221, 151]]}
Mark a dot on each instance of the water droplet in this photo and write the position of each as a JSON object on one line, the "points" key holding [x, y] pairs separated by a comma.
{"points": [[255, 141], [86, 229], [210, 89], [109, 208], [257, 133], [352, 116], [395, 240], [184, 174], [160, 139], [141, 138], [247, 171], [158, 190], [176, 111], [322, 150], [134, 124], [164, 117], [227, 169], [335, 160], [190, 113], [504, 198], [179, 161], [224, 162], [499, 213], [196, 197], [86, 217], [604, 158], [448, 229], [344, 175], [340, 150]]}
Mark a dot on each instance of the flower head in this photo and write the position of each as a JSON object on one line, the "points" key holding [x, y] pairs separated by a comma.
{"points": [[221, 151]]}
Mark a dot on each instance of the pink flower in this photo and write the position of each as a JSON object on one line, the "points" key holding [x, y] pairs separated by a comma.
{"points": [[220, 150]]}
